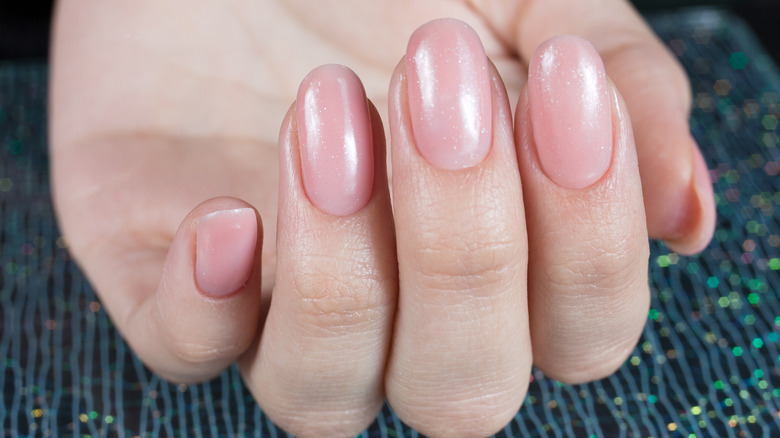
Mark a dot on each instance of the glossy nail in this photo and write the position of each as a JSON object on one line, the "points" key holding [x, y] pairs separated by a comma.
{"points": [[449, 94], [702, 183], [225, 250], [334, 132], [697, 221], [570, 111]]}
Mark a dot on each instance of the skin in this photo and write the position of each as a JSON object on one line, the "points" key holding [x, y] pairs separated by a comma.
{"points": [[164, 112]]}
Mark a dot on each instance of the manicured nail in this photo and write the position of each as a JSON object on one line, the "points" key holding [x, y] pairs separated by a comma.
{"points": [[449, 94], [225, 250], [570, 111], [702, 183], [334, 132], [695, 231]]}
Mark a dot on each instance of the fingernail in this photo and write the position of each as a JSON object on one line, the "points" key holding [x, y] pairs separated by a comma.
{"points": [[570, 111], [225, 250], [697, 226], [702, 183], [449, 94], [334, 132]]}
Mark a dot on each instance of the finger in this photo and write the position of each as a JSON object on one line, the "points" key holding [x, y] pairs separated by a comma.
{"points": [[191, 313], [321, 358], [461, 355], [588, 248], [678, 195]]}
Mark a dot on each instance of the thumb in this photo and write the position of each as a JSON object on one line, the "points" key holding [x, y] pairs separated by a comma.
{"points": [[206, 308]]}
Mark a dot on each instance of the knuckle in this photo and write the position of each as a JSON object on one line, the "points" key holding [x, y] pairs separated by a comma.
{"points": [[472, 262], [305, 423], [188, 362], [600, 349], [345, 296], [604, 264], [461, 415], [486, 398], [594, 365], [199, 353]]}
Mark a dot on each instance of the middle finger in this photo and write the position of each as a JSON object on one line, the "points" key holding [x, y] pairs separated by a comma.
{"points": [[461, 352]]}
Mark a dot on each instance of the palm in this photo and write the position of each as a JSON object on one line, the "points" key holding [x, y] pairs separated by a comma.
{"points": [[206, 88]]}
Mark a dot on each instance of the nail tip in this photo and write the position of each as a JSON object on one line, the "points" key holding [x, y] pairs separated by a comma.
{"points": [[225, 247], [702, 210], [694, 234], [570, 111], [449, 94], [335, 137]]}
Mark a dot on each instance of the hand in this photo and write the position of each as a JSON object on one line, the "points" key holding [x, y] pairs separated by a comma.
{"points": [[167, 116]]}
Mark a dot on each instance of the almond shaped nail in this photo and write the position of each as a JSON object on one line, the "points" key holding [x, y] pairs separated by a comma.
{"points": [[570, 111], [336, 143], [449, 94]]}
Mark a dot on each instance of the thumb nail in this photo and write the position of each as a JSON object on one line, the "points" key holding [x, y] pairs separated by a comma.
{"points": [[225, 249]]}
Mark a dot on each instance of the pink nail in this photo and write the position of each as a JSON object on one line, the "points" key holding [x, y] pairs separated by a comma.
{"points": [[570, 111], [702, 183], [334, 131], [449, 94], [225, 250]]}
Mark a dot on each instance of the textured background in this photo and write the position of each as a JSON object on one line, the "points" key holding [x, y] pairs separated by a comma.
{"points": [[708, 363]]}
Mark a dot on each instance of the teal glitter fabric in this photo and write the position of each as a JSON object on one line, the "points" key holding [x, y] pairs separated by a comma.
{"points": [[708, 363]]}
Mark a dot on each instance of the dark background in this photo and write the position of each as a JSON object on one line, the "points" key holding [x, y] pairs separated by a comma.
{"points": [[24, 28], [24, 24]]}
